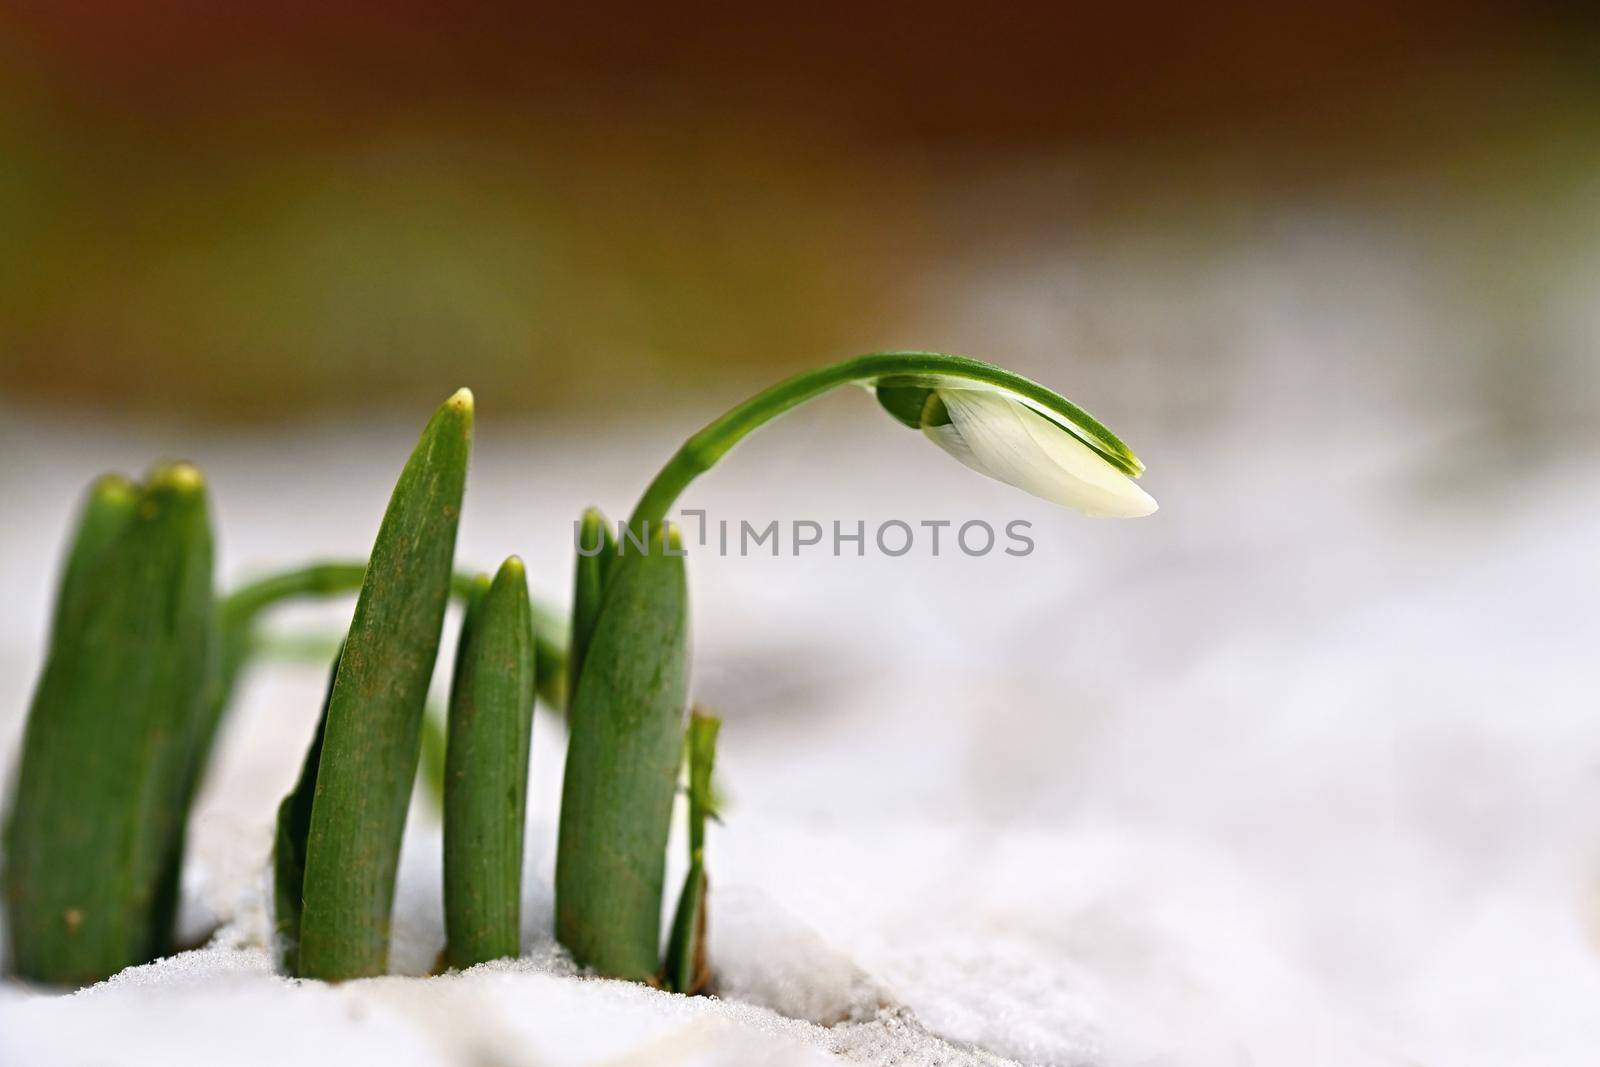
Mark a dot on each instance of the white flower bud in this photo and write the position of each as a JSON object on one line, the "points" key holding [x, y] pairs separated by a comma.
{"points": [[1009, 441]]}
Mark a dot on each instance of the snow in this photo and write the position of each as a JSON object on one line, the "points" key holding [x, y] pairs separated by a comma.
{"points": [[1302, 769]]}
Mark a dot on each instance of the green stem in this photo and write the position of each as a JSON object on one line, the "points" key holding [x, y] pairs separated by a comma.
{"points": [[702, 451], [317, 579], [238, 611]]}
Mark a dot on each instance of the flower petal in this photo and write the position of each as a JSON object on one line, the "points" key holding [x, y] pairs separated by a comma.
{"points": [[1007, 440], [1064, 413]]}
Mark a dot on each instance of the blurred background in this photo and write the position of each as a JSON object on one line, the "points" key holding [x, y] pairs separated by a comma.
{"points": [[1304, 768], [237, 211]]}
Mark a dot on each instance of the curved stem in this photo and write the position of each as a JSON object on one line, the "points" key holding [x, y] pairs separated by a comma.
{"points": [[700, 452], [316, 579], [237, 612]]}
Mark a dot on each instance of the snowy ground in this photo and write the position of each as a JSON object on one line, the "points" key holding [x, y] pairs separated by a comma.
{"points": [[1304, 769]]}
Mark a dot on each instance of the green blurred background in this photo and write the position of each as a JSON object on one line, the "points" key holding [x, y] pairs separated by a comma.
{"points": [[231, 211]]}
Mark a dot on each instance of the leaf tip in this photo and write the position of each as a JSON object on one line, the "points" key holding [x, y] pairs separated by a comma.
{"points": [[113, 487], [179, 477]]}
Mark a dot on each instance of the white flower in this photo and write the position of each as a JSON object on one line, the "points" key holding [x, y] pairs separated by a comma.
{"points": [[1012, 442]]}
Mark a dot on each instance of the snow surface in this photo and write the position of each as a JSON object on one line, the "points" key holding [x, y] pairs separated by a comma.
{"points": [[1304, 769]]}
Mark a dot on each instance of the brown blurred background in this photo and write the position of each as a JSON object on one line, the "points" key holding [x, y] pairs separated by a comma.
{"points": [[1309, 755], [227, 211]]}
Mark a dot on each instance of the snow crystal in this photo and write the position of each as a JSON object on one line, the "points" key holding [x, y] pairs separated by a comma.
{"points": [[1287, 774]]}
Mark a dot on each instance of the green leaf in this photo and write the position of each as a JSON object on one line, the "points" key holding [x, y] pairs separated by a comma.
{"points": [[686, 967], [111, 502], [369, 755], [623, 753], [289, 844], [486, 773], [596, 552], [96, 833]]}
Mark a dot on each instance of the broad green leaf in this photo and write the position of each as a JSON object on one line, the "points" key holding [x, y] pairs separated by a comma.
{"points": [[96, 833], [486, 773], [623, 753], [369, 755], [110, 503]]}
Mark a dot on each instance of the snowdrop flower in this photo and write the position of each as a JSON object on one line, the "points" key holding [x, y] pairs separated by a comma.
{"points": [[628, 617], [1010, 441], [1000, 424]]}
